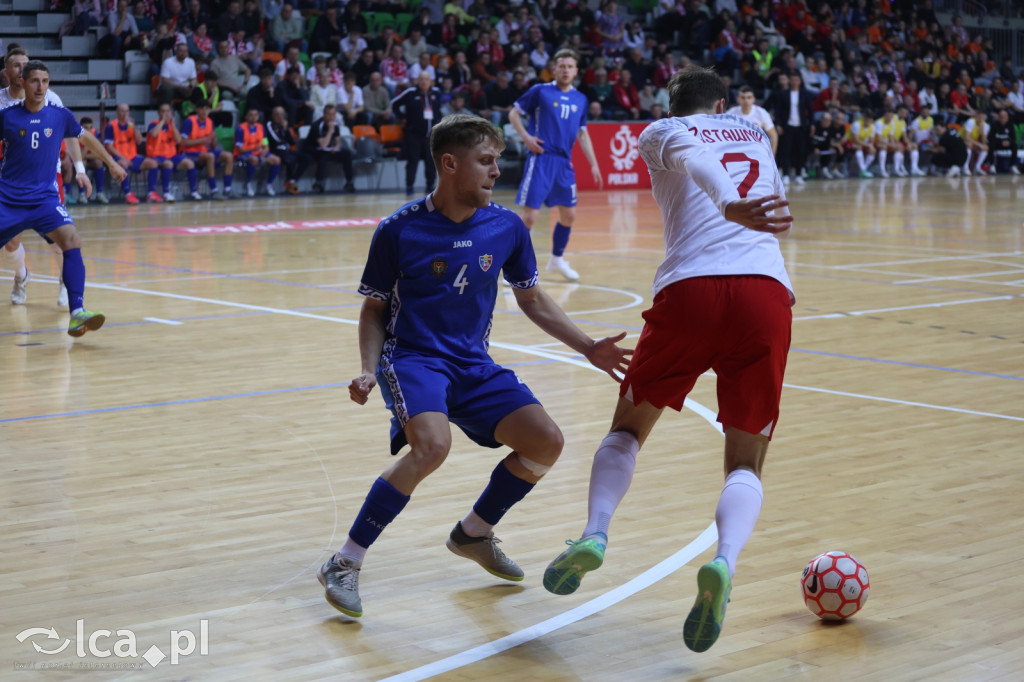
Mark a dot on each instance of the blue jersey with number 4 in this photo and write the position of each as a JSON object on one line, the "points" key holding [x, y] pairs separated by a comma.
{"points": [[441, 277], [32, 151], [555, 117]]}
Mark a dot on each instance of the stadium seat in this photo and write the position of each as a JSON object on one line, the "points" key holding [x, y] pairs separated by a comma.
{"points": [[391, 137], [365, 131]]}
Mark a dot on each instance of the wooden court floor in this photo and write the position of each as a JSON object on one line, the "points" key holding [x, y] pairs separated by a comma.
{"points": [[184, 471]]}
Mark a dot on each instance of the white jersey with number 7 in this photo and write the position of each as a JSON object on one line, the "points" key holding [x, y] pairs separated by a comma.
{"points": [[699, 242]]}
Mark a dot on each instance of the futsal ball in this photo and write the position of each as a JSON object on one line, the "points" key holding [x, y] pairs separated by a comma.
{"points": [[835, 585]]}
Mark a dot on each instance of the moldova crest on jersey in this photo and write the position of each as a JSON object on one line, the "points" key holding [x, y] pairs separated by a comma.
{"points": [[48, 131], [485, 262], [438, 267]]}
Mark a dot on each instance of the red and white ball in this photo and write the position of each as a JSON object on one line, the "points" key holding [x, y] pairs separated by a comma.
{"points": [[835, 585]]}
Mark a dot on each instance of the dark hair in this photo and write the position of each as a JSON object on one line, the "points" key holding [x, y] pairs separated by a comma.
{"points": [[693, 89], [86, 121], [744, 89], [462, 131], [211, 74], [31, 66], [265, 71], [202, 103]]}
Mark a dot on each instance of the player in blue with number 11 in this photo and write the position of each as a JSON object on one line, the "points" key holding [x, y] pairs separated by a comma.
{"points": [[32, 131], [557, 114]]}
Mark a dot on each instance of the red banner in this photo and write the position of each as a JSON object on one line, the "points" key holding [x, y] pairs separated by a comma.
{"points": [[617, 157]]}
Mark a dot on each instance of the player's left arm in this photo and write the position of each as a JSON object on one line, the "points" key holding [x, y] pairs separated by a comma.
{"points": [[546, 314], [588, 151]]}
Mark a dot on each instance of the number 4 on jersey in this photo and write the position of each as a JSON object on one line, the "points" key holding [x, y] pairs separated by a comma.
{"points": [[460, 281]]}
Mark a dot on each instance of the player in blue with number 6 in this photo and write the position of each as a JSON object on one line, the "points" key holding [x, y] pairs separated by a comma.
{"points": [[557, 114], [32, 131], [430, 284]]}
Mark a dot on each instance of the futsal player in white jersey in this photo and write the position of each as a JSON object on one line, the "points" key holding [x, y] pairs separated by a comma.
{"points": [[723, 302], [759, 116], [13, 251]]}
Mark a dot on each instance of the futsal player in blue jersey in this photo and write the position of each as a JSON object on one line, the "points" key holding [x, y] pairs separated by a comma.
{"points": [[32, 131], [430, 284], [557, 114]]}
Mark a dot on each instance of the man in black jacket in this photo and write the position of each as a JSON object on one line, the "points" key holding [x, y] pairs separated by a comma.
{"points": [[324, 144], [793, 117], [420, 106], [284, 146]]}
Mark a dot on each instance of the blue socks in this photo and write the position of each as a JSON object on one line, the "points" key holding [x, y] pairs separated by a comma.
{"points": [[165, 179], [274, 170], [503, 491], [74, 278], [383, 503], [101, 178], [560, 239], [250, 170], [193, 179], [151, 180]]}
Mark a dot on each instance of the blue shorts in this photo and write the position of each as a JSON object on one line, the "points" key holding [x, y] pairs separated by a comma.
{"points": [[175, 160], [195, 155], [43, 218], [136, 164], [547, 179], [474, 398], [248, 158]]}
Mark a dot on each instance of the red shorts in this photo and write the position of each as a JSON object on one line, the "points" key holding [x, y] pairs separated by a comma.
{"points": [[738, 326]]}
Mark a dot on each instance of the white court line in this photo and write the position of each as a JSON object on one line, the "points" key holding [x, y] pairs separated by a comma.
{"points": [[943, 304], [910, 403], [1015, 271], [645, 579], [162, 321]]}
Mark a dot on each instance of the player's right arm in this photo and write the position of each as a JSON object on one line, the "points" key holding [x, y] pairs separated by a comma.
{"points": [[371, 341]]}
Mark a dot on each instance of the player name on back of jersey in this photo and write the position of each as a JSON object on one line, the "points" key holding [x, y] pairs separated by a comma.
{"points": [[713, 135]]}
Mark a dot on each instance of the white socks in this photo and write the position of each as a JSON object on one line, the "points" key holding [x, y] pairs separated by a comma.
{"points": [[736, 515], [914, 156], [16, 260], [610, 476], [350, 550], [474, 526]]}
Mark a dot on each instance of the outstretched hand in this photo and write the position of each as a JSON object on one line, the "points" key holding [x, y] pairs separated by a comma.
{"points": [[756, 213], [360, 387], [606, 356]]}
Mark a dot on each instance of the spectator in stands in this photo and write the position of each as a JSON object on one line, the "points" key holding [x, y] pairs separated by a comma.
{"points": [[376, 101], [263, 95], [323, 93], [476, 98], [366, 66], [84, 15], [610, 29], [422, 65], [460, 72], [144, 22], [960, 103], [793, 113], [176, 17], [639, 71], [232, 73], [415, 45], [328, 32], [249, 51], [627, 99], [177, 75], [353, 44], [525, 68], [123, 32], [500, 98], [283, 145], [427, 26], [484, 69], [290, 61], [383, 43], [648, 98], [324, 145], [601, 91], [196, 15], [395, 70], [595, 112], [1015, 101], [539, 55], [230, 21], [354, 18], [272, 8], [209, 91], [457, 105], [291, 94], [419, 107], [200, 45], [350, 102], [287, 30], [252, 18], [443, 68]]}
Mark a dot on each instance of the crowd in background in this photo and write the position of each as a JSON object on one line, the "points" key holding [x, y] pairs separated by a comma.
{"points": [[859, 62]]}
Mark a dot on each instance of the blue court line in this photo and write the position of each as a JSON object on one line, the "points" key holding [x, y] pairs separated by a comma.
{"points": [[903, 363], [185, 401]]}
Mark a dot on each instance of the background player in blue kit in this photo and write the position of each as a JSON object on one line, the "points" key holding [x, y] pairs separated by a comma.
{"points": [[430, 284], [32, 131], [557, 114]]}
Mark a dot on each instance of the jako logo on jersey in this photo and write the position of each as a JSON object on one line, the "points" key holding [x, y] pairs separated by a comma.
{"points": [[624, 149], [460, 244], [485, 262], [438, 267]]}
